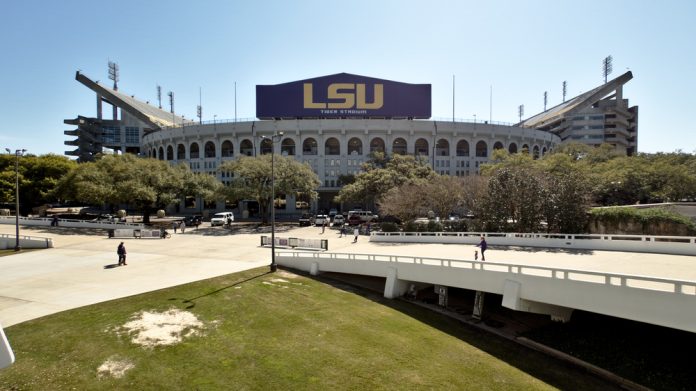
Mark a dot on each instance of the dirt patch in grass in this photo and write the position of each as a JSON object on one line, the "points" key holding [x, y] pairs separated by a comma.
{"points": [[114, 367], [150, 329]]}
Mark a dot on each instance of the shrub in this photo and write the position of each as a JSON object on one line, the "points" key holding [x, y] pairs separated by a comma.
{"points": [[388, 226], [434, 226], [455, 226], [645, 217]]}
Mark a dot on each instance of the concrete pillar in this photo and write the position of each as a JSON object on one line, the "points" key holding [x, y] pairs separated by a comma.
{"points": [[478, 305], [99, 107], [314, 269], [512, 299], [394, 287]]}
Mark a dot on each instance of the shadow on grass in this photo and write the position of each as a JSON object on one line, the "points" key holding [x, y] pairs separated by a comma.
{"points": [[190, 303], [549, 370]]}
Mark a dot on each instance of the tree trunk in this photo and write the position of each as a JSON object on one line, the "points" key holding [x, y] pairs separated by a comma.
{"points": [[263, 210], [146, 215]]}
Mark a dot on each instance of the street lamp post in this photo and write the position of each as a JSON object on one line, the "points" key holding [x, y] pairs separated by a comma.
{"points": [[274, 266], [18, 153]]}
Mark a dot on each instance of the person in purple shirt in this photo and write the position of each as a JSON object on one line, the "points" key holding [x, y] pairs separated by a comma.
{"points": [[483, 246]]}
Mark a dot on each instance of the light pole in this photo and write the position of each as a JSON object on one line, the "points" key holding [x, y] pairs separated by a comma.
{"points": [[274, 267], [18, 153]]}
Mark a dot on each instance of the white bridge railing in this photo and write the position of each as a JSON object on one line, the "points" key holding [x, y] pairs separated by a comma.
{"points": [[661, 301], [678, 245], [686, 287]]}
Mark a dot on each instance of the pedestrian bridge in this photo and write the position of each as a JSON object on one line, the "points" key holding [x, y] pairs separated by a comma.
{"points": [[538, 289]]}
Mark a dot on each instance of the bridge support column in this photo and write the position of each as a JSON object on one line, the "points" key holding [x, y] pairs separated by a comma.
{"points": [[314, 269], [512, 299], [394, 287], [478, 305]]}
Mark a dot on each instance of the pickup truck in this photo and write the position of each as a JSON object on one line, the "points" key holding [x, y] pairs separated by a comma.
{"points": [[306, 219]]}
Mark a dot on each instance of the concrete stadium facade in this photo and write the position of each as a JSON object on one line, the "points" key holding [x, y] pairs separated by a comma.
{"points": [[335, 147]]}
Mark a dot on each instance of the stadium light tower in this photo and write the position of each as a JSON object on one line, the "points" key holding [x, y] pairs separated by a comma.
{"points": [[607, 67], [159, 96], [521, 111], [114, 75], [565, 90], [18, 153]]}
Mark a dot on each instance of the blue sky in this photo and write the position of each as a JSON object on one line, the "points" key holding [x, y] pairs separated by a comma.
{"points": [[521, 49]]}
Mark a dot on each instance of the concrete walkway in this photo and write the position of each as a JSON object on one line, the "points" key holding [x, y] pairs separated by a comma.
{"points": [[80, 269]]}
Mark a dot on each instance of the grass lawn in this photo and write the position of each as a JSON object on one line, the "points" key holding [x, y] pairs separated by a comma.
{"points": [[276, 331]]}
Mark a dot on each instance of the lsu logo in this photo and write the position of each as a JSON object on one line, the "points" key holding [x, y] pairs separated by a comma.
{"points": [[345, 96]]}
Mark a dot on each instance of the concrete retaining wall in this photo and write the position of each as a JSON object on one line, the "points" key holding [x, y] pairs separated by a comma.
{"points": [[10, 241]]}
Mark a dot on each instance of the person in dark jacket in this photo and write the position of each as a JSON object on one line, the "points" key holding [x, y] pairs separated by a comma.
{"points": [[483, 246], [121, 251]]}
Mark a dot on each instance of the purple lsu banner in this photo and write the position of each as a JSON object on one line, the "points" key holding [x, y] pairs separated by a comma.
{"points": [[343, 95]]}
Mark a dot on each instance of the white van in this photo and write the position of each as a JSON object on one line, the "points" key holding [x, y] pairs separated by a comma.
{"points": [[221, 218], [364, 215]]}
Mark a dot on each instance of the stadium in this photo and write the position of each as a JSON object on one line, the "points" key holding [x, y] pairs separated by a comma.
{"points": [[334, 123]]}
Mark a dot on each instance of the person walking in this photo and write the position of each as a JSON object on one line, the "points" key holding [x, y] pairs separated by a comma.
{"points": [[483, 246], [356, 233], [323, 225], [121, 251], [343, 231], [175, 226]]}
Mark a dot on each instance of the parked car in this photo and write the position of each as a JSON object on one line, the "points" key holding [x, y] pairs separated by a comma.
{"points": [[190, 221], [354, 220], [333, 212], [365, 215], [306, 219], [105, 217], [221, 218], [319, 220], [338, 220]]}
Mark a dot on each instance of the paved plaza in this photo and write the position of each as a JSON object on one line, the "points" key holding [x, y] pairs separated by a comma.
{"points": [[81, 268]]}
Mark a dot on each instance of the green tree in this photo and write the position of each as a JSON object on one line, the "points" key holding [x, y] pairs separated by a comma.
{"points": [[442, 194], [38, 176], [514, 201], [252, 179], [567, 194], [380, 175], [201, 185], [524, 194], [127, 179]]}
